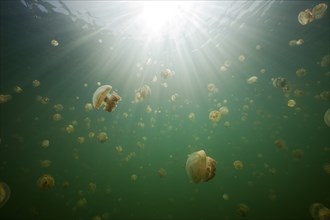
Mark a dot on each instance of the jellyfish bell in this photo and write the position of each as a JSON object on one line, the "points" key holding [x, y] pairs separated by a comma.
{"points": [[102, 97], [200, 167], [305, 17], [319, 10], [4, 193]]}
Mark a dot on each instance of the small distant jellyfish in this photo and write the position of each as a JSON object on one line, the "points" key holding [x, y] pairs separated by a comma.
{"points": [[4, 193], [327, 117], [82, 202], [224, 110], [18, 89], [4, 98], [167, 73], [102, 137], [57, 117], [326, 167], [141, 93], [35, 83], [45, 182], [80, 140], [212, 88], [92, 187], [69, 129], [162, 172], [241, 58], [45, 163], [119, 149], [280, 143], [58, 107], [291, 103], [88, 107], [252, 80], [243, 210], [101, 97], [225, 196], [191, 116], [45, 143], [215, 116], [133, 178], [238, 164], [301, 72], [54, 43], [148, 109]]}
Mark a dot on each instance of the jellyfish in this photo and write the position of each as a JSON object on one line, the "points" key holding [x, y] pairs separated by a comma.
{"points": [[215, 116], [305, 17], [243, 209], [319, 10], [167, 73], [200, 167], [162, 172], [319, 212], [101, 97], [4, 193], [252, 80], [238, 164], [46, 181], [133, 178]]}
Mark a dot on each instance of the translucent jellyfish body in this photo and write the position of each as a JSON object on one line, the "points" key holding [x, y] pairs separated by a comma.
{"points": [[102, 97], [200, 167]]}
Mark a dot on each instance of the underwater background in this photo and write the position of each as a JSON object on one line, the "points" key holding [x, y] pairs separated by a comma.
{"points": [[212, 49]]}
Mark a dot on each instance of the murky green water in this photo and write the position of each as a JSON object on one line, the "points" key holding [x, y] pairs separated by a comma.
{"points": [[106, 43]]}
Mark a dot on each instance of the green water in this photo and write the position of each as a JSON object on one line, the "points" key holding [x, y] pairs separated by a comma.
{"points": [[108, 48]]}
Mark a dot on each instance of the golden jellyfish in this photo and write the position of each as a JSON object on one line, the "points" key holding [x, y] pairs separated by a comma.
{"points": [[46, 181], [301, 72], [191, 116], [82, 202], [92, 187], [280, 143], [57, 117], [54, 43], [148, 109], [119, 149], [252, 80], [325, 61], [319, 212], [167, 73], [241, 58], [69, 129], [141, 93], [327, 117], [4, 98], [18, 89], [88, 107], [35, 83], [211, 88], [45, 143], [319, 10], [80, 140], [4, 193], [101, 97], [305, 17], [238, 164], [200, 167], [102, 137], [45, 163], [291, 103], [162, 172], [58, 107], [225, 196], [224, 110], [133, 178], [243, 209], [215, 116]]}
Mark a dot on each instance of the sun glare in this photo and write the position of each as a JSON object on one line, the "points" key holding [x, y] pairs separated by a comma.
{"points": [[162, 14]]}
